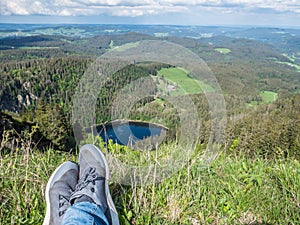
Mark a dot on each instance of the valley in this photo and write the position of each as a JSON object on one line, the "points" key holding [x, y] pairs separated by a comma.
{"points": [[253, 138]]}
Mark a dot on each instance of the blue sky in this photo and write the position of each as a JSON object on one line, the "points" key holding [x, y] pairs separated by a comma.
{"points": [[183, 12]]}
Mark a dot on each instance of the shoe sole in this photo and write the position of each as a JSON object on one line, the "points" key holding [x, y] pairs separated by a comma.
{"points": [[56, 175], [99, 155]]}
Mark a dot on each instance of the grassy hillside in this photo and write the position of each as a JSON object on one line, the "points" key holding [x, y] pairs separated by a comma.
{"points": [[182, 82]]}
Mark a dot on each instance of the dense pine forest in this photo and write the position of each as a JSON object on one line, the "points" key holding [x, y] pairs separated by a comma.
{"points": [[260, 82]]}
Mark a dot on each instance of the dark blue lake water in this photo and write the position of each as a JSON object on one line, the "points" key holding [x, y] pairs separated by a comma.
{"points": [[129, 133]]}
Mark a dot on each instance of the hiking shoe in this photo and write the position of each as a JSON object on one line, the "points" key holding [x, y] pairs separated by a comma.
{"points": [[58, 191], [93, 183]]}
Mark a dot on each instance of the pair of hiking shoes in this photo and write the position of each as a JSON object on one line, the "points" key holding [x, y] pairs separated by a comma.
{"points": [[71, 183]]}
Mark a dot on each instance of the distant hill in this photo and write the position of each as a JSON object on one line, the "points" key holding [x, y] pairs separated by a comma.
{"points": [[247, 68], [284, 39]]}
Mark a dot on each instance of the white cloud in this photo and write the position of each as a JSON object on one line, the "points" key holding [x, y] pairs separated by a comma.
{"points": [[134, 8], [11, 7], [145, 10], [24, 7], [245, 5]]}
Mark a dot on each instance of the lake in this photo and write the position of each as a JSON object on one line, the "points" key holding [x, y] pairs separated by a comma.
{"points": [[134, 134]]}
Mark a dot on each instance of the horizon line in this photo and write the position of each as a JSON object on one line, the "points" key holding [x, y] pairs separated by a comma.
{"points": [[159, 24]]}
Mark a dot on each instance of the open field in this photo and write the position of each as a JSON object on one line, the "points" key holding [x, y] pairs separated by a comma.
{"points": [[62, 31], [297, 67], [223, 50], [181, 83], [123, 47], [37, 48], [161, 34], [292, 58], [268, 96]]}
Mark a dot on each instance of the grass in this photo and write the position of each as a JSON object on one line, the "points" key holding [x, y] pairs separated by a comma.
{"points": [[297, 67], [291, 58], [233, 190], [111, 44], [252, 104], [124, 47], [23, 179], [268, 96], [161, 34], [291, 64], [37, 48], [182, 82], [223, 50], [62, 31]]}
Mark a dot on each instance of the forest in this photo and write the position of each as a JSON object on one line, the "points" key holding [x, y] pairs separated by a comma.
{"points": [[39, 81]]}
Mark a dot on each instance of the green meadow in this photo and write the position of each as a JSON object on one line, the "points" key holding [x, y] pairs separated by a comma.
{"points": [[223, 50], [293, 61], [123, 47], [182, 82], [268, 96], [37, 48]]}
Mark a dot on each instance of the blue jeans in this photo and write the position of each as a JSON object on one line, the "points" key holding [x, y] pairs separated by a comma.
{"points": [[84, 213]]}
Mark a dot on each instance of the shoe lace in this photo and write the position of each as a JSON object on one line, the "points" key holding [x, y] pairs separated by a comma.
{"points": [[63, 204], [89, 176]]}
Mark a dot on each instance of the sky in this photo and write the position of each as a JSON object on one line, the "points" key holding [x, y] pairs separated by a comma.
{"points": [[176, 12]]}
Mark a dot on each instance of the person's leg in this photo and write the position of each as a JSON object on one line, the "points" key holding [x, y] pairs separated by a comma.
{"points": [[58, 191], [85, 213], [89, 196], [92, 188]]}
